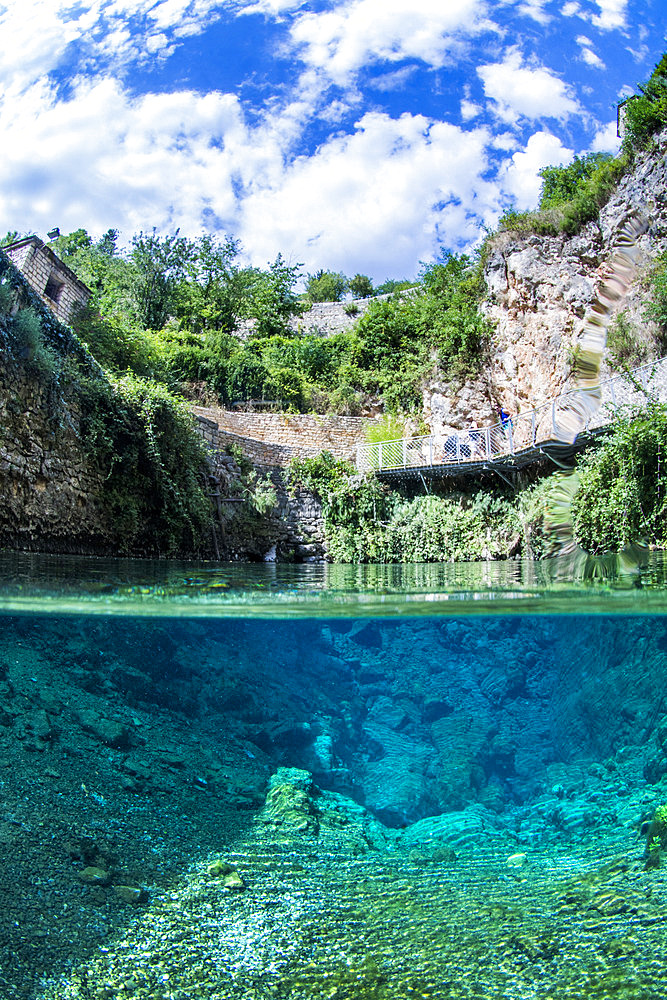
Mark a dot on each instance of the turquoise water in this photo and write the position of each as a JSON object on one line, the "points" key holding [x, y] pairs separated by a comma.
{"points": [[332, 782]]}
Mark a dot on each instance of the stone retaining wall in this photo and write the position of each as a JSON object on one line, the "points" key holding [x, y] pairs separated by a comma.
{"points": [[272, 439]]}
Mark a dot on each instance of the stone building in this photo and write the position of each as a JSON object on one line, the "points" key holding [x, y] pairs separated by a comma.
{"points": [[54, 282]]}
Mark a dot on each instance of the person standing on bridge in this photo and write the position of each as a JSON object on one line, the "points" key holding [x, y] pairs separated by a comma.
{"points": [[505, 417]]}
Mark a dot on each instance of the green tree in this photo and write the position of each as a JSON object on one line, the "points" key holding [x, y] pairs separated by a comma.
{"points": [[210, 296], [361, 286], [326, 286], [561, 184], [270, 297], [71, 244], [10, 237], [622, 497], [159, 265]]}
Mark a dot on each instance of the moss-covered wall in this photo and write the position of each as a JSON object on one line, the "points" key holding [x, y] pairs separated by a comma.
{"points": [[49, 491]]}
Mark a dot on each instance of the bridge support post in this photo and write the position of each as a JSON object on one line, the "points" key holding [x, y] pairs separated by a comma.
{"points": [[487, 436]]}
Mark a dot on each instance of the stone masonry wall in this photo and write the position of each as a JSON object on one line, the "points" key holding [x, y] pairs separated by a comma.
{"points": [[40, 265], [272, 439]]}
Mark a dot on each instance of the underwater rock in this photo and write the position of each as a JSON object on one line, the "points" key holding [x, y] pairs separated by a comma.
{"points": [[95, 876], [460, 740], [290, 808], [295, 804], [219, 868], [233, 881], [108, 731], [39, 724], [458, 829], [349, 824], [130, 894], [516, 860], [295, 776]]}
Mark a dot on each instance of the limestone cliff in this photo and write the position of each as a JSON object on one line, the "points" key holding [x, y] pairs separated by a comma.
{"points": [[539, 288]]}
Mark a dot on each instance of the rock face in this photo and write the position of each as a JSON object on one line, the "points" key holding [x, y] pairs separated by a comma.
{"points": [[539, 288], [49, 490]]}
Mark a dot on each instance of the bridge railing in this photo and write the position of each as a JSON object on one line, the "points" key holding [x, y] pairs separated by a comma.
{"points": [[560, 419]]}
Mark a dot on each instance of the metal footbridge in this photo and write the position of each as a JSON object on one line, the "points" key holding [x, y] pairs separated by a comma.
{"points": [[524, 439]]}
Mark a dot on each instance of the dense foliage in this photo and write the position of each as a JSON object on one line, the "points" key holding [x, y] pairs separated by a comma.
{"points": [[571, 196], [623, 493], [137, 433], [646, 113], [563, 183], [367, 522], [177, 311]]}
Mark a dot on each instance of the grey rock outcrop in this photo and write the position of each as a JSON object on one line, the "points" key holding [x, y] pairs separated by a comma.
{"points": [[539, 288]]}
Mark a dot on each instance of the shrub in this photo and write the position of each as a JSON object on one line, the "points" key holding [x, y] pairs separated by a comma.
{"points": [[561, 184], [361, 286], [656, 309], [7, 297], [646, 112], [623, 493], [143, 440], [32, 349], [367, 522], [626, 350]]}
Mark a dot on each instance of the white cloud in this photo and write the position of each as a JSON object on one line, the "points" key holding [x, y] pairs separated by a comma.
{"points": [[357, 32], [520, 91], [587, 53], [612, 14], [160, 160], [606, 139], [520, 178], [571, 9], [592, 59], [470, 110], [392, 81], [42, 30], [535, 9], [374, 200]]}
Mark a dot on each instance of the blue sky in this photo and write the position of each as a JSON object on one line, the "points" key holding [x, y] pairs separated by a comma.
{"points": [[355, 135]]}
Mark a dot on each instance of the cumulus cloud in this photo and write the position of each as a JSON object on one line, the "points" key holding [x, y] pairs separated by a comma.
{"points": [[520, 178], [42, 32], [353, 34], [606, 140], [536, 10], [160, 160], [520, 91], [612, 14], [470, 110], [377, 199]]}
